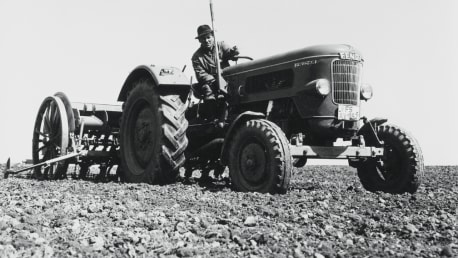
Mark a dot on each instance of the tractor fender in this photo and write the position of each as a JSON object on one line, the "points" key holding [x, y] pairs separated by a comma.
{"points": [[374, 122], [161, 75], [243, 117], [369, 129]]}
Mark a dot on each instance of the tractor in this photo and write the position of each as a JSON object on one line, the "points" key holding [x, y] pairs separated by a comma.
{"points": [[278, 112], [274, 114]]}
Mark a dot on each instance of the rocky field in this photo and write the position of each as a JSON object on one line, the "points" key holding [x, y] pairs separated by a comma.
{"points": [[326, 213]]}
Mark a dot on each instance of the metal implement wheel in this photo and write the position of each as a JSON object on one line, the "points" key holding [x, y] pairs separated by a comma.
{"points": [[259, 158], [400, 169], [153, 135], [68, 110], [50, 138]]}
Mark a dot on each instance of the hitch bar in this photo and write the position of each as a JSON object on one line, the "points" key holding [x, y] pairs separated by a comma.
{"points": [[7, 171], [335, 152]]}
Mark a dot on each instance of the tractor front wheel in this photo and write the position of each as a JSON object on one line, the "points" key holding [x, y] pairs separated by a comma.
{"points": [[400, 169], [259, 158]]}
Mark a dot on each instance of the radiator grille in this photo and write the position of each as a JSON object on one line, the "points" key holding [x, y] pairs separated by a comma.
{"points": [[346, 81]]}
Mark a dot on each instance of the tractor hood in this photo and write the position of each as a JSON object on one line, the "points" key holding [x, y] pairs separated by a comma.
{"points": [[320, 51]]}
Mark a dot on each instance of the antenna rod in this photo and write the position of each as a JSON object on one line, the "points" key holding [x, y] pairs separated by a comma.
{"points": [[219, 79]]}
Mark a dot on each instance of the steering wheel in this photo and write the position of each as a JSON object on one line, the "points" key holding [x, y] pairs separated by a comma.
{"points": [[243, 57]]}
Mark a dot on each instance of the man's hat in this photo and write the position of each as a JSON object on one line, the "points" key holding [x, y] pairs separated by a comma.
{"points": [[203, 30]]}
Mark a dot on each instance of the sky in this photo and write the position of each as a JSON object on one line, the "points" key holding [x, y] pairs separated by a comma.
{"points": [[86, 49]]}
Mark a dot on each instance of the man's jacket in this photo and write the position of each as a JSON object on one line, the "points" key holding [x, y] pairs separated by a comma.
{"points": [[204, 62]]}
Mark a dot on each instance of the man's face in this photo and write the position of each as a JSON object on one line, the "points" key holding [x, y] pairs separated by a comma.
{"points": [[207, 41]]}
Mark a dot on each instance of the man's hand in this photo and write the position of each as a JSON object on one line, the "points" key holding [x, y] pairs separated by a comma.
{"points": [[219, 86], [234, 51]]}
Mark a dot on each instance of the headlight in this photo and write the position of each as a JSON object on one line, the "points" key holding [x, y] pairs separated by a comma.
{"points": [[323, 86], [366, 92]]}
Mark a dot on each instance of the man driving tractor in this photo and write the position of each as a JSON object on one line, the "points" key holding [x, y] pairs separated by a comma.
{"points": [[204, 62]]}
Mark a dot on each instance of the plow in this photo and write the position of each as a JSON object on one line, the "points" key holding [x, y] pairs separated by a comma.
{"points": [[64, 133]]}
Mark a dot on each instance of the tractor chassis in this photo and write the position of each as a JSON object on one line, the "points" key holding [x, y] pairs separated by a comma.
{"points": [[336, 152]]}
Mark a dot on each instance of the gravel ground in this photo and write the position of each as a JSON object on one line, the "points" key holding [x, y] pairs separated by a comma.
{"points": [[326, 213]]}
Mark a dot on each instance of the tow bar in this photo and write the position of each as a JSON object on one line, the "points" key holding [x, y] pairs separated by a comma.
{"points": [[7, 171]]}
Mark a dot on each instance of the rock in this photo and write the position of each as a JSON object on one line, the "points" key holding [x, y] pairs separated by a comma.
{"points": [[411, 228], [40, 241], [3, 225], [48, 251], [15, 223], [75, 227], [224, 221], [339, 234], [97, 243], [253, 243], [204, 223], [19, 210], [93, 208], [134, 238], [324, 204], [195, 220], [250, 221], [84, 242], [260, 238], [181, 228], [7, 251], [39, 203], [349, 242], [116, 231], [215, 244], [185, 252], [447, 251], [238, 240], [180, 244], [141, 249], [190, 237], [318, 255], [282, 227], [131, 250], [141, 215], [218, 231], [298, 253], [83, 213], [36, 238]]}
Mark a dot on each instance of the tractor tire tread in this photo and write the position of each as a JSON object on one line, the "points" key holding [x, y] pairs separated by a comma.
{"points": [[410, 152], [174, 130], [280, 153], [171, 129]]}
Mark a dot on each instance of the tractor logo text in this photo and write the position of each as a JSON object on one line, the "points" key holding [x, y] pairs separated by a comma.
{"points": [[350, 56], [305, 63]]}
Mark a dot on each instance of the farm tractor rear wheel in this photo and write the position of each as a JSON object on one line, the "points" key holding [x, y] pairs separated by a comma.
{"points": [[153, 134], [259, 158], [400, 169], [50, 138]]}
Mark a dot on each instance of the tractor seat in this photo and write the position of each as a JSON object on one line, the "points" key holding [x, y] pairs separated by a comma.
{"points": [[196, 92]]}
